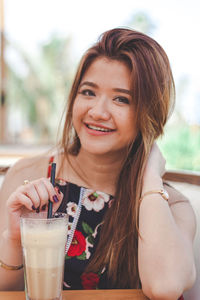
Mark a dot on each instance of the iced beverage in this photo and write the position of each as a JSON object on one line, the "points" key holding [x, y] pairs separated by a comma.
{"points": [[43, 242]]}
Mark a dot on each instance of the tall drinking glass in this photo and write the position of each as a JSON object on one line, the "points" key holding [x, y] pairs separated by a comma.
{"points": [[43, 243]]}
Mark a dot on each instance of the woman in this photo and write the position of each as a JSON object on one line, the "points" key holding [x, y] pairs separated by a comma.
{"points": [[133, 230]]}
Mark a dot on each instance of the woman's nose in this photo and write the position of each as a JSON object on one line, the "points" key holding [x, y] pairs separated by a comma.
{"points": [[99, 110]]}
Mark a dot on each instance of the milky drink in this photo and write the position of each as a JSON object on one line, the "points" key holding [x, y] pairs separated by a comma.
{"points": [[43, 243]]}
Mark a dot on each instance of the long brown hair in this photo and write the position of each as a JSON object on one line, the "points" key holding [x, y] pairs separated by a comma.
{"points": [[153, 94]]}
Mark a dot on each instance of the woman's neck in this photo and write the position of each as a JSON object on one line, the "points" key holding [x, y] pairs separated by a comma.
{"points": [[98, 172]]}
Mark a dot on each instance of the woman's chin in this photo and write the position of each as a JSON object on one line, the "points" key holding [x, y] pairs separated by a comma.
{"points": [[101, 150]]}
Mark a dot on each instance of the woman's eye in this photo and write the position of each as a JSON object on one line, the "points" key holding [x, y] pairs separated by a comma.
{"points": [[122, 100], [87, 93]]}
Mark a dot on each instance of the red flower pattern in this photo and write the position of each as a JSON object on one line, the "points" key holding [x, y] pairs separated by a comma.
{"points": [[78, 244], [89, 281]]}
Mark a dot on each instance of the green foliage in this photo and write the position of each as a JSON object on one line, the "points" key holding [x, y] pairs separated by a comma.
{"points": [[40, 92], [181, 147]]}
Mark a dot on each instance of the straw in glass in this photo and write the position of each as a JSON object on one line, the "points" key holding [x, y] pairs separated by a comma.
{"points": [[50, 204]]}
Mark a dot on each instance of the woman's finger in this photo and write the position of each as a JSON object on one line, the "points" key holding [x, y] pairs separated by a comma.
{"points": [[17, 200], [51, 190], [43, 194], [30, 191]]}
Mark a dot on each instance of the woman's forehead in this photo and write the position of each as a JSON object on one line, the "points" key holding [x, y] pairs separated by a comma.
{"points": [[108, 71]]}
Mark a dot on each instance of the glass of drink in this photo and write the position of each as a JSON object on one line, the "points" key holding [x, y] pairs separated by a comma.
{"points": [[43, 243]]}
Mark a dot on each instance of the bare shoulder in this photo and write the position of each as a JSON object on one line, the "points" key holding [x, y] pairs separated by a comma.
{"points": [[26, 168], [182, 211]]}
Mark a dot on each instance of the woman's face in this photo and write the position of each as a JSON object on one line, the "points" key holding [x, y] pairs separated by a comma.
{"points": [[103, 112]]}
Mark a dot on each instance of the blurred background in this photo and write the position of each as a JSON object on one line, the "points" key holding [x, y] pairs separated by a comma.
{"points": [[42, 42]]}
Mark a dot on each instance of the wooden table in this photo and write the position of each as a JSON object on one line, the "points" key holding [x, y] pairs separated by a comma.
{"points": [[86, 295]]}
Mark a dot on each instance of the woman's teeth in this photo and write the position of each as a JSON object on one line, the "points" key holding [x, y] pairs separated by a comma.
{"points": [[99, 128]]}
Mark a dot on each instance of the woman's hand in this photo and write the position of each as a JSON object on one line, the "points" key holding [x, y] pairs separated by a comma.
{"points": [[156, 162], [154, 170], [32, 196]]}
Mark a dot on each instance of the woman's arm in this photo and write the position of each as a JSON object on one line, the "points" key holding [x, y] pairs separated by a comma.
{"points": [[16, 198], [10, 249], [167, 229], [11, 254]]}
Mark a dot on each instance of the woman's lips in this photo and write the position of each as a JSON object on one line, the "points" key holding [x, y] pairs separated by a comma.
{"points": [[98, 129]]}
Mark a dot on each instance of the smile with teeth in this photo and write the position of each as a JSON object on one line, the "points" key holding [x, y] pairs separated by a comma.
{"points": [[99, 128]]}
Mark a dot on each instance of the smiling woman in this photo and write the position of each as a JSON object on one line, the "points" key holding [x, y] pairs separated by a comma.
{"points": [[127, 228], [104, 108]]}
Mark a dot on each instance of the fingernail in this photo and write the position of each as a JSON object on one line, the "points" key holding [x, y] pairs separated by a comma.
{"points": [[55, 198], [44, 207], [33, 207], [38, 209]]}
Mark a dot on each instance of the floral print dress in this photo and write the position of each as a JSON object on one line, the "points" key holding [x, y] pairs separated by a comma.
{"points": [[86, 234], [94, 204]]}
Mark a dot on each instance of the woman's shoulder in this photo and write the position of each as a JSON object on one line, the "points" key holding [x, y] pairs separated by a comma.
{"points": [[29, 168]]}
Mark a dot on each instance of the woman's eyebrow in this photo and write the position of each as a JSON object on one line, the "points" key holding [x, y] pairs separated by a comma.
{"points": [[125, 91], [89, 83]]}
